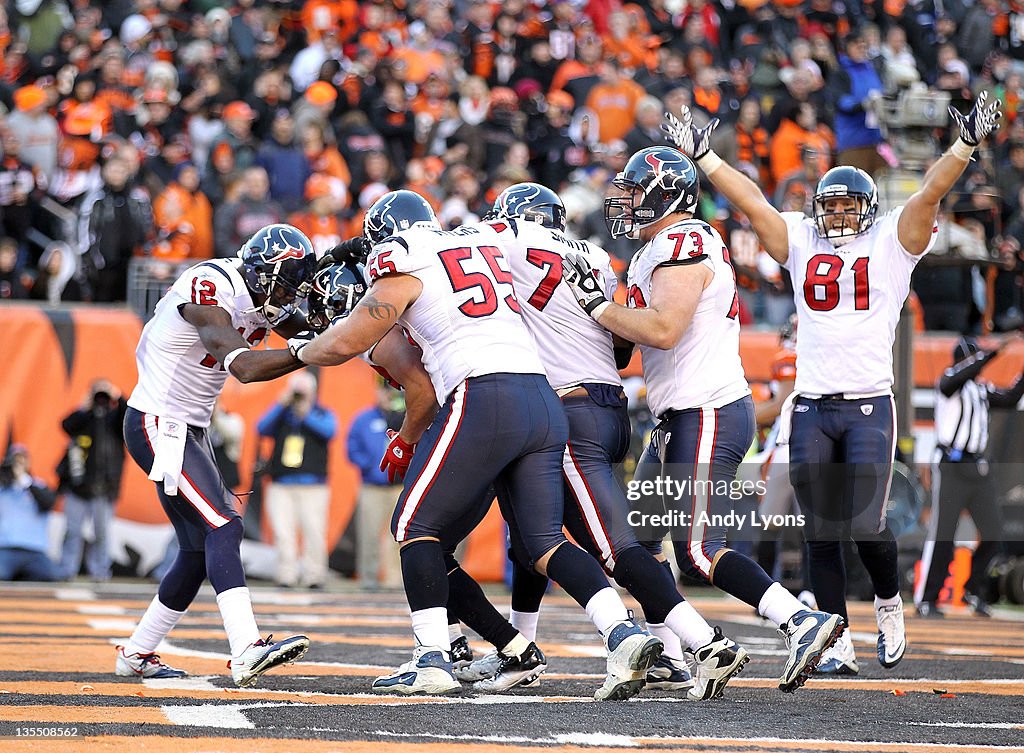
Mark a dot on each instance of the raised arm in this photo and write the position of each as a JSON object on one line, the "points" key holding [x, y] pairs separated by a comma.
{"points": [[740, 190], [918, 217]]}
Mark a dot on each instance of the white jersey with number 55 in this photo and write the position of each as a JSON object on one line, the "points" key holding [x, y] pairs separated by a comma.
{"points": [[177, 377], [466, 319], [702, 370], [848, 300], [573, 347]]}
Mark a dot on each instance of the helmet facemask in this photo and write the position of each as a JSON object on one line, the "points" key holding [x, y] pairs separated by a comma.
{"points": [[840, 236], [281, 294]]}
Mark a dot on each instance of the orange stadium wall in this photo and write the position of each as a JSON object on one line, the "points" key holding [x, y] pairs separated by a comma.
{"points": [[51, 356]]}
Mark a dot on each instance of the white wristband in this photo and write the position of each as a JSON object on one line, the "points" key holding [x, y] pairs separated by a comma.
{"points": [[230, 357], [599, 309], [709, 163], [961, 149]]}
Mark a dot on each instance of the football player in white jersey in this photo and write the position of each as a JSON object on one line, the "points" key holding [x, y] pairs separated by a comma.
{"points": [[682, 309], [851, 275], [202, 330], [579, 357], [500, 422]]}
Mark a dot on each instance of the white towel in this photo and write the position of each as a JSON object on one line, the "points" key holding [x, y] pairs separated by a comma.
{"points": [[168, 453], [786, 419]]}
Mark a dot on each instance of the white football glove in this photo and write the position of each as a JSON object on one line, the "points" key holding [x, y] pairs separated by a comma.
{"points": [[579, 275], [300, 341], [692, 141], [982, 120]]}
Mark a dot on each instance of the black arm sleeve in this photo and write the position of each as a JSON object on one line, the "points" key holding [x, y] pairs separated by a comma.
{"points": [[957, 375], [1009, 397]]}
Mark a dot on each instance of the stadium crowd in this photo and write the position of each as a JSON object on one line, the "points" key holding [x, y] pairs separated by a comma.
{"points": [[174, 129]]}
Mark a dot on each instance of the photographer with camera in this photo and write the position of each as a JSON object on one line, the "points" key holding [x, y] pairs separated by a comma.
{"points": [[90, 478], [298, 496], [25, 504]]}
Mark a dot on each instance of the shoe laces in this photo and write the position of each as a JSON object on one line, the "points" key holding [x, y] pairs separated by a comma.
{"points": [[889, 622]]}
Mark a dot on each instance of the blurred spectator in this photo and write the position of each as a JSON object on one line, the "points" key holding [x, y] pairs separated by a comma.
{"points": [[183, 203], [235, 222], [35, 129], [647, 131], [12, 279], [320, 222], [800, 129], [298, 497], [377, 560], [394, 121], [795, 191], [752, 140], [25, 505], [858, 85], [116, 223], [237, 134], [21, 186], [323, 158], [90, 478], [285, 162], [58, 279], [614, 98]]}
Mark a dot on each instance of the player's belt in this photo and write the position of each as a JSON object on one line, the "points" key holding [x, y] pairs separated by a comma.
{"points": [[848, 395]]}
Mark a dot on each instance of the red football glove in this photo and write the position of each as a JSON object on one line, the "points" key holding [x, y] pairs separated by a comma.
{"points": [[397, 457]]}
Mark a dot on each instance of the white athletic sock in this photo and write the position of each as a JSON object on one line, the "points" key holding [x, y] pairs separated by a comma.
{"points": [[235, 606], [454, 631], [516, 646], [687, 623], [430, 626], [156, 623], [525, 623], [605, 608], [779, 605], [673, 648], [890, 602]]}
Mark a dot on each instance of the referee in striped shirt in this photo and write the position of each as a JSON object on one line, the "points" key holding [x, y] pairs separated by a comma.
{"points": [[960, 474]]}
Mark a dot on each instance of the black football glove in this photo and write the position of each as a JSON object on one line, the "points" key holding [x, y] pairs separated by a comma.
{"points": [[981, 121], [353, 251], [692, 141], [582, 281]]}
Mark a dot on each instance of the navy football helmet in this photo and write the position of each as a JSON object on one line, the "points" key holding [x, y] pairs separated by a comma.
{"points": [[656, 182], [532, 202], [277, 266], [396, 211], [841, 182], [336, 290]]}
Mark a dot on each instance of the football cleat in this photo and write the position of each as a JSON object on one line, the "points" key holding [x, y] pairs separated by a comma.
{"points": [[669, 674], [145, 666], [716, 663], [929, 611], [429, 672], [479, 669], [807, 635], [263, 655], [839, 659], [892, 634], [631, 652], [515, 671], [461, 653]]}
